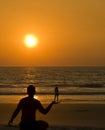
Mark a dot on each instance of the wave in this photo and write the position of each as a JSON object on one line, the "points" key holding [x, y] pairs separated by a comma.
{"points": [[51, 93], [11, 86], [81, 85], [92, 85]]}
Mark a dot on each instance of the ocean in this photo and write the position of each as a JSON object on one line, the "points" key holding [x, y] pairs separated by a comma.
{"points": [[75, 84]]}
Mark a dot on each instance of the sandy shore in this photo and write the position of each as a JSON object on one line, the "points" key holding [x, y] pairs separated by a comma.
{"points": [[64, 116]]}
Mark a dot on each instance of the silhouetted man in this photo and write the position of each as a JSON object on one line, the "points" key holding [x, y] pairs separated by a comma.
{"points": [[28, 106]]}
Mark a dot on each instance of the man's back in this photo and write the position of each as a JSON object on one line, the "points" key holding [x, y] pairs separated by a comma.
{"points": [[28, 106]]}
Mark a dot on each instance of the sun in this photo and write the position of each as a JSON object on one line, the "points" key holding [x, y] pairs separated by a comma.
{"points": [[30, 41]]}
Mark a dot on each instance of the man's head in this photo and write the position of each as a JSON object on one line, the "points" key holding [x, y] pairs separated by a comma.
{"points": [[31, 90]]}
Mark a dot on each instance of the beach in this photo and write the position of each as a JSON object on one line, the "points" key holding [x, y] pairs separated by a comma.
{"points": [[62, 116], [81, 95]]}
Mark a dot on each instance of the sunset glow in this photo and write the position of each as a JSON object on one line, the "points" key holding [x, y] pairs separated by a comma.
{"points": [[30, 41], [52, 33]]}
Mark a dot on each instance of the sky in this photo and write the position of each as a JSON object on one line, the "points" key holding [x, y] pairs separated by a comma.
{"points": [[69, 32]]}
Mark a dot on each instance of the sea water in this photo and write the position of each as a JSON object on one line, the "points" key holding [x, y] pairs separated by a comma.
{"points": [[75, 84]]}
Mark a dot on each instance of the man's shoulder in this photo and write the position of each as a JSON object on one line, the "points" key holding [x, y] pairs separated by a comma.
{"points": [[36, 100], [24, 98], [28, 99]]}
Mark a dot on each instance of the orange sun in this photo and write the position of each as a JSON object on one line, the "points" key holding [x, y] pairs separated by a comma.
{"points": [[30, 41]]}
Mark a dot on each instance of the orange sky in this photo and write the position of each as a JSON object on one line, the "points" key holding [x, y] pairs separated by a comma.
{"points": [[70, 32]]}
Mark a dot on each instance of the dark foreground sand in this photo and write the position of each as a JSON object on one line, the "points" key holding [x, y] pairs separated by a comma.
{"points": [[63, 117]]}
